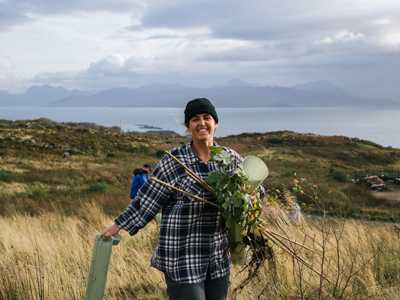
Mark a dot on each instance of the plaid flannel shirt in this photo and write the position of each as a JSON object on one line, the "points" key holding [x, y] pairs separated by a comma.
{"points": [[193, 239]]}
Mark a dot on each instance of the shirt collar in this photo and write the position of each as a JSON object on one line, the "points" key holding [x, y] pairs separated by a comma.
{"points": [[191, 156]]}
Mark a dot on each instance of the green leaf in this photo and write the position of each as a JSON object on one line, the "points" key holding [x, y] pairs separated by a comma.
{"points": [[215, 150]]}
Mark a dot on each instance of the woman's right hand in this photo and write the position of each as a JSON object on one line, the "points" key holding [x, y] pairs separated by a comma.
{"points": [[111, 230]]}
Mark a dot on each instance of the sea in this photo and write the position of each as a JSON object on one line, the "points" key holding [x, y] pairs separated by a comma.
{"points": [[381, 126]]}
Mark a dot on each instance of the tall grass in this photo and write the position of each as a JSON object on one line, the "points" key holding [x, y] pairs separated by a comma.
{"points": [[47, 257]]}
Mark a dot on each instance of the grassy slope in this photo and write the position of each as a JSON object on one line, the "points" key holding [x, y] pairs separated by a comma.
{"points": [[35, 175], [328, 162], [51, 248], [47, 257]]}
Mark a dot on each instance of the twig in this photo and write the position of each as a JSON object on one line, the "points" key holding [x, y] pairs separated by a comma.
{"points": [[192, 174], [263, 226], [197, 198], [289, 240], [284, 247]]}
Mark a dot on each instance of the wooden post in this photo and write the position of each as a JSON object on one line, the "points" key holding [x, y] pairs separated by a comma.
{"points": [[99, 266]]}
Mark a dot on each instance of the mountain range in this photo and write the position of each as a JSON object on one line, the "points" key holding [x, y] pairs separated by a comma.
{"points": [[235, 93]]}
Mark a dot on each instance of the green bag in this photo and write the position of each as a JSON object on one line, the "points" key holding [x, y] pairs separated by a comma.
{"points": [[236, 245], [99, 266]]}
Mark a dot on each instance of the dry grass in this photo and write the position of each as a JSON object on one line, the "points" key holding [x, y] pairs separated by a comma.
{"points": [[12, 188], [47, 257]]}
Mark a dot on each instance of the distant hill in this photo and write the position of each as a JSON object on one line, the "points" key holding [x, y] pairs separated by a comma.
{"points": [[235, 93], [37, 96], [323, 87]]}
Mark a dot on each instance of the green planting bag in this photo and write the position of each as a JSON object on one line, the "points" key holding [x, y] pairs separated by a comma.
{"points": [[99, 266], [236, 242]]}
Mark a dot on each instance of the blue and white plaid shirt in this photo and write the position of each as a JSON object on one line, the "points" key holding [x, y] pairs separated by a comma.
{"points": [[193, 239]]}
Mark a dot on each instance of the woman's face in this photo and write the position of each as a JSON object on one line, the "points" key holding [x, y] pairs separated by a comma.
{"points": [[202, 127]]}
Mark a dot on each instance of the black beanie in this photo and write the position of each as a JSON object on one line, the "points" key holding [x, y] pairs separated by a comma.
{"points": [[199, 106]]}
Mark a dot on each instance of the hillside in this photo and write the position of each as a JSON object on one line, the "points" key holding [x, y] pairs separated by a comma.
{"points": [[46, 165]]}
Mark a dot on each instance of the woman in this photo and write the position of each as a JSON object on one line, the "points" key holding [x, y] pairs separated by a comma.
{"points": [[193, 245]]}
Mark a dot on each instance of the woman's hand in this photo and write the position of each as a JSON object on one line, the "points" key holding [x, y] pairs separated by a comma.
{"points": [[110, 230]]}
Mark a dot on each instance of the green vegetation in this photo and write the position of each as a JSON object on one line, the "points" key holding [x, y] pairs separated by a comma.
{"points": [[5, 175], [324, 167], [65, 164], [53, 174], [99, 187], [339, 175]]}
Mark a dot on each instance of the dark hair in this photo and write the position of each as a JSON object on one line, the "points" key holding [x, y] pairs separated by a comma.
{"points": [[147, 166], [136, 171]]}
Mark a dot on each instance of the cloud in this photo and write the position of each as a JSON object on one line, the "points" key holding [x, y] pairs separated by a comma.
{"points": [[368, 74], [391, 39], [19, 11], [275, 52], [382, 22], [10, 17], [264, 20], [282, 32], [109, 65], [68, 6], [100, 44], [342, 36]]}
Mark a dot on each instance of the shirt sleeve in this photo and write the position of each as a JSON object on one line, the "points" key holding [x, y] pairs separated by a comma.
{"points": [[151, 196]]}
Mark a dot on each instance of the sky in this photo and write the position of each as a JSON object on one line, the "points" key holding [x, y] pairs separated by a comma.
{"points": [[95, 45]]}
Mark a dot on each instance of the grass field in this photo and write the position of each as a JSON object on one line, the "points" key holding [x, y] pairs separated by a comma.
{"points": [[61, 183], [47, 257]]}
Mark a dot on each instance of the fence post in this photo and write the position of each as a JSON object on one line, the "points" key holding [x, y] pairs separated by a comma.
{"points": [[97, 278]]}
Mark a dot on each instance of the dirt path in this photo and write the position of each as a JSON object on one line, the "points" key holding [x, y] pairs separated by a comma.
{"points": [[392, 194]]}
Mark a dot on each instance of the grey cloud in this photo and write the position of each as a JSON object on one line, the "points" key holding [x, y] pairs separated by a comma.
{"points": [[112, 65], [256, 52], [178, 14], [89, 80], [369, 74], [10, 17], [293, 51], [255, 20], [281, 37], [67, 6], [17, 11]]}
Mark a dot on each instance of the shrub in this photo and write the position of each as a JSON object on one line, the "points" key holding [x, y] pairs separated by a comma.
{"points": [[111, 155], [99, 187], [339, 175], [37, 191], [5, 175], [160, 153]]}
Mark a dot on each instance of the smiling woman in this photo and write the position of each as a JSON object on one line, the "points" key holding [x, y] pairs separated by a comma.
{"points": [[193, 247], [201, 121]]}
